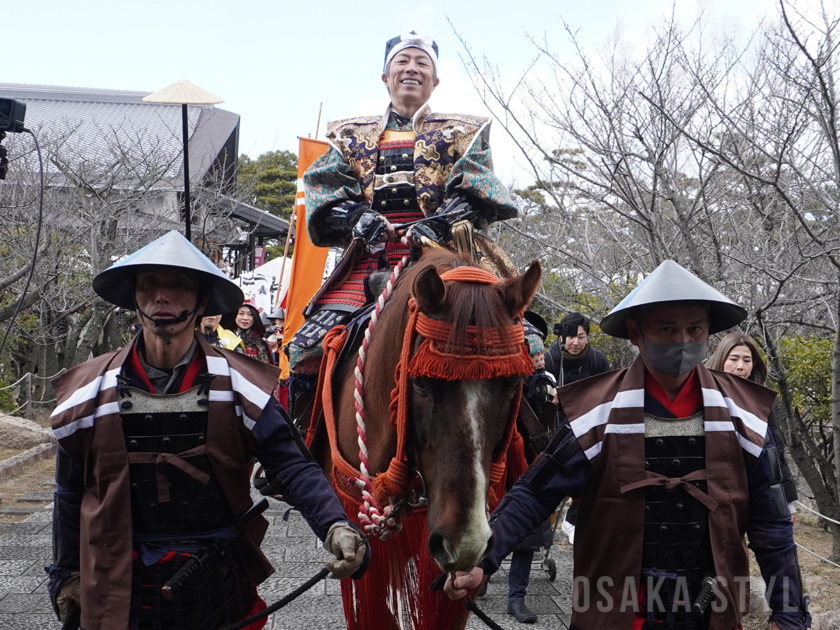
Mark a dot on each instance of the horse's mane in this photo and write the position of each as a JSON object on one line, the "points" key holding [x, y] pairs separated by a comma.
{"points": [[466, 303]]}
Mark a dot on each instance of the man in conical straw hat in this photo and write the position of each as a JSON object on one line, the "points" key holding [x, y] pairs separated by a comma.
{"points": [[671, 463], [153, 462]]}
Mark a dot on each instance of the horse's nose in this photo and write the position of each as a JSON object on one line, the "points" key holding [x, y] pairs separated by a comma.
{"points": [[439, 548], [448, 558]]}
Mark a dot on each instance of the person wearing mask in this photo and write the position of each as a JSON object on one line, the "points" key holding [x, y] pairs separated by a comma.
{"points": [[670, 461], [738, 354], [572, 358], [215, 335], [246, 324]]}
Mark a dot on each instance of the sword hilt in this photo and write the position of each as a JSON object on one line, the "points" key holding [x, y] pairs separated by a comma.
{"points": [[704, 597]]}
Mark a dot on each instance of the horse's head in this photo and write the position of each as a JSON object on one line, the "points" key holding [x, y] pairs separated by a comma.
{"points": [[459, 425]]}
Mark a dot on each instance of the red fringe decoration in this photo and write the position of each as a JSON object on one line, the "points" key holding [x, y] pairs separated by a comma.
{"points": [[430, 363], [395, 592], [394, 482]]}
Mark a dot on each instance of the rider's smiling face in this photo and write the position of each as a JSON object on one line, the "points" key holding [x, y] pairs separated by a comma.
{"points": [[410, 80]]}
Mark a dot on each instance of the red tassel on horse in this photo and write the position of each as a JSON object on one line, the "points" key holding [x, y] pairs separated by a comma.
{"points": [[405, 572]]}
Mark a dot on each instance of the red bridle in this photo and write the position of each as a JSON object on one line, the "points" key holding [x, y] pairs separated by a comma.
{"points": [[484, 353]]}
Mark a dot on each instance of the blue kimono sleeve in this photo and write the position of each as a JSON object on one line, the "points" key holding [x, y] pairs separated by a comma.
{"points": [[561, 470], [329, 182], [293, 472], [473, 179]]}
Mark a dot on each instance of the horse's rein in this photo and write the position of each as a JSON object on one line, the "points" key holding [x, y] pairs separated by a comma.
{"points": [[469, 603]]}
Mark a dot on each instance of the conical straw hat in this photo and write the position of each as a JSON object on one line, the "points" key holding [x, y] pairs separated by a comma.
{"points": [[670, 282], [183, 93], [117, 283]]}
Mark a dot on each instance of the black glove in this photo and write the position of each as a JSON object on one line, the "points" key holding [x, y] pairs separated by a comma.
{"points": [[457, 209], [344, 215], [370, 228], [437, 227]]}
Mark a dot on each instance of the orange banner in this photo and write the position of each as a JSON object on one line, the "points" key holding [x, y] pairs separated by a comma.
{"points": [[309, 261]]}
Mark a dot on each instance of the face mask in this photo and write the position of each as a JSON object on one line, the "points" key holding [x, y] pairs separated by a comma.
{"points": [[675, 359]]}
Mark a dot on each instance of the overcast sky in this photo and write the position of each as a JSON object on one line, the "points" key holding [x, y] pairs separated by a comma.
{"points": [[274, 62]]}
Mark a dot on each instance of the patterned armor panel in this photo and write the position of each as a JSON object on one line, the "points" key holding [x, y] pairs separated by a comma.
{"points": [[394, 197], [394, 193], [677, 549], [175, 424]]}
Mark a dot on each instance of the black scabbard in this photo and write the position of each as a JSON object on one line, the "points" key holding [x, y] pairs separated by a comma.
{"points": [[199, 560]]}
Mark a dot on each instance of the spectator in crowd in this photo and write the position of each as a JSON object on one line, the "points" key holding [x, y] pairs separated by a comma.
{"points": [[579, 360], [248, 326], [572, 350], [277, 321], [274, 323], [217, 336], [738, 354]]}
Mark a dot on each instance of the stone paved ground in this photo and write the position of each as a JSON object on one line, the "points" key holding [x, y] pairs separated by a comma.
{"points": [[25, 548]]}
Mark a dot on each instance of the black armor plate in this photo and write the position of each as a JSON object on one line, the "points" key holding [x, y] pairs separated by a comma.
{"points": [[676, 543], [395, 195], [220, 593], [175, 424]]}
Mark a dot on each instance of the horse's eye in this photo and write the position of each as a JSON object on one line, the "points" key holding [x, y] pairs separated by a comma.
{"points": [[420, 386]]}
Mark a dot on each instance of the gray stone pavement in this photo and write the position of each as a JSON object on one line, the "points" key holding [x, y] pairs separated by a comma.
{"points": [[25, 548]]}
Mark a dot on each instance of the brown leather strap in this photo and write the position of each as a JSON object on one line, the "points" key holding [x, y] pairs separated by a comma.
{"points": [[173, 460], [654, 479]]}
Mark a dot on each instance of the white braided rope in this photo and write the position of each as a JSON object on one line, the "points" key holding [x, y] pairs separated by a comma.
{"points": [[369, 515]]}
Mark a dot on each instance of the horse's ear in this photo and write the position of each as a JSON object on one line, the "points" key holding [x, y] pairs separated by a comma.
{"points": [[429, 291], [519, 291]]}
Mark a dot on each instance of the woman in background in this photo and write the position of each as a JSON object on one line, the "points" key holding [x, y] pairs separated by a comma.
{"points": [[246, 325], [738, 354]]}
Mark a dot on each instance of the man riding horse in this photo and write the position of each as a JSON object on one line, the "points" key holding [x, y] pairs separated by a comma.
{"points": [[407, 165]]}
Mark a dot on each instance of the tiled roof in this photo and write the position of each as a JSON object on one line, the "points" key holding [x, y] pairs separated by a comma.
{"points": [[94, 123]]}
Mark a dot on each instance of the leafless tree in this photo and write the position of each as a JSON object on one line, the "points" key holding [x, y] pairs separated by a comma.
{"points": [[99, 206], [719, 152]]}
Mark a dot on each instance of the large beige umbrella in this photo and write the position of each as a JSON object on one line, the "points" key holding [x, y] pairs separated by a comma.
{"points": [[184, 93]]}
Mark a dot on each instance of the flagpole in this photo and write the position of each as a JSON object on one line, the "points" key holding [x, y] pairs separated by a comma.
{"points": [[292, 223]]}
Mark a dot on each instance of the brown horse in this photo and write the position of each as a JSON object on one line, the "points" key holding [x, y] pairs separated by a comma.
{"points": [[455, 431]]}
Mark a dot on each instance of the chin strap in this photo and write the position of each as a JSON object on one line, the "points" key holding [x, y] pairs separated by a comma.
{"points": [[184, 316]]}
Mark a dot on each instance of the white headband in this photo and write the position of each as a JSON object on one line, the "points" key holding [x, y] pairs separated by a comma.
{"points": [[410, 40]]}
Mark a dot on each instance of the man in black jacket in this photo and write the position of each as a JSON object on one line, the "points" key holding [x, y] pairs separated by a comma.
{"points": [[571, 349], [579, 360]]}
